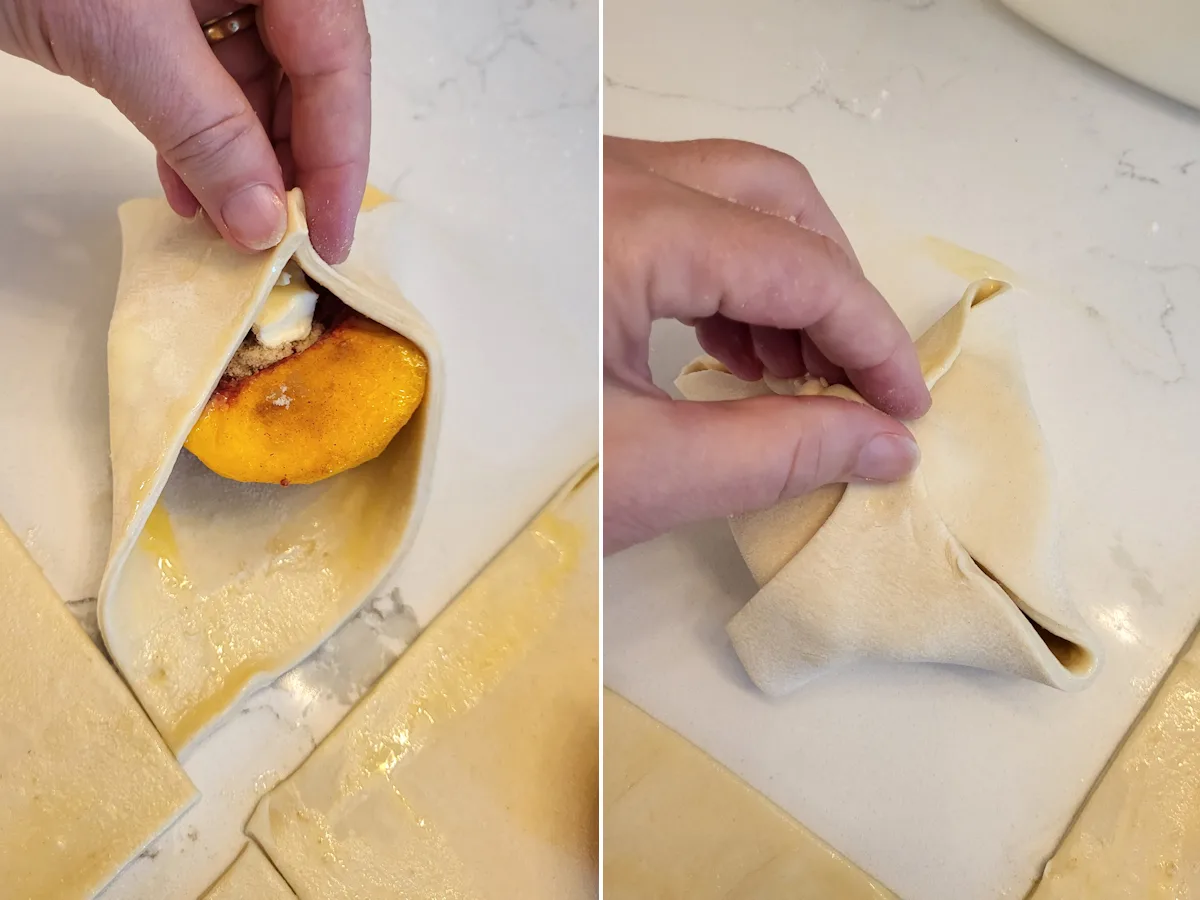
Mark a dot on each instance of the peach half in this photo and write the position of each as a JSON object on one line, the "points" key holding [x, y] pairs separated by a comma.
{"points": [[326, 409]]}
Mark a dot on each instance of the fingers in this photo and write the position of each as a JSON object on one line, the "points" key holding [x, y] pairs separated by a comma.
{"points": [[748, 174], [749, 350], [281, 131], [207, 124], [324, 49], [732, 344], [667, 463], [247, 61], [165, 79], [817, 365], [701, 256], [179, 197], [779, 351]]}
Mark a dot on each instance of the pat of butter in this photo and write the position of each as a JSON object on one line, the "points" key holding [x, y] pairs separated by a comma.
{"points": [[288, 313]]}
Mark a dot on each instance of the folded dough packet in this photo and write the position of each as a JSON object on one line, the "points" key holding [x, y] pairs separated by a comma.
{"points": [[214, 587], [958, 563]]}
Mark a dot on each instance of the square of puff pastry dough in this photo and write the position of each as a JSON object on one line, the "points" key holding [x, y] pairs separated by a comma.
{"points": [[957, 563], [678, 824], [470, 770], [85, 780], [250, 877], [1138, 833]]}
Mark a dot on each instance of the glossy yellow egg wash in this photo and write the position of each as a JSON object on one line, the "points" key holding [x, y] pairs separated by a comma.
{"points": [[470, 770], [967, 264], [213, 610], [1138, 834], [87, 783], [250, 877]]}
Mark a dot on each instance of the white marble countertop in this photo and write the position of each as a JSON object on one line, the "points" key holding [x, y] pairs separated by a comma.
{"points": [[485, 129], [954, 120]]}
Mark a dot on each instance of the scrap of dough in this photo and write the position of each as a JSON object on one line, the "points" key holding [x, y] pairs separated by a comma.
{"points": [[678, 824], [85, 781], [956, 564], [1138, 834], [213, 587], [470, 770], [250, 877]]}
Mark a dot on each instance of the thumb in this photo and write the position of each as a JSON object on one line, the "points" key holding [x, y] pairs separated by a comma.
{"points": [[670, 462], [165, 79]]}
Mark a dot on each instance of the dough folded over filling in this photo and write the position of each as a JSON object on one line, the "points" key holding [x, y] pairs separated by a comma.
{"points": [[956, 564]]}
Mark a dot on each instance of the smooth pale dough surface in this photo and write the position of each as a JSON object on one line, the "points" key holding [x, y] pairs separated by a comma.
{"points": [[1150, 41], [677, 824], [470, 771], [214, 587], [1138, 835], [956, 564], [250, 877], [85, 781]]}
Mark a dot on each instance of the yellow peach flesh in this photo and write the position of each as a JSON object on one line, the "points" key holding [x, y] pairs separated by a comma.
{"points": [[322, 411]]}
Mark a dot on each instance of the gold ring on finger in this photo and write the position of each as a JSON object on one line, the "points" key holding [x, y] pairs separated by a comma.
{"points": [[222, 27]]}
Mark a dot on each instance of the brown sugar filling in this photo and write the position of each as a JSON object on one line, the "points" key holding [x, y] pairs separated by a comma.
{"points": [[252, 357]]}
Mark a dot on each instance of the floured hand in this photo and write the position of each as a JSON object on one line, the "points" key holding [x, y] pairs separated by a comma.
{"points": [[735, 239], [286, 103]]}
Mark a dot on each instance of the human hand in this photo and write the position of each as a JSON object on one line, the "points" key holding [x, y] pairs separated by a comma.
{"points": [[286, 103], [735, 239]]}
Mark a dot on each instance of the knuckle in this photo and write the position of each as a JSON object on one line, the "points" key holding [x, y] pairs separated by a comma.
{"points": [[834, 259], [777, 174], [821, 454], [777, 163], [208, 144], [836, 268], [795, 181], [810, 457], [817, 271], [738, 155], [728, 148], [788, 166]]}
